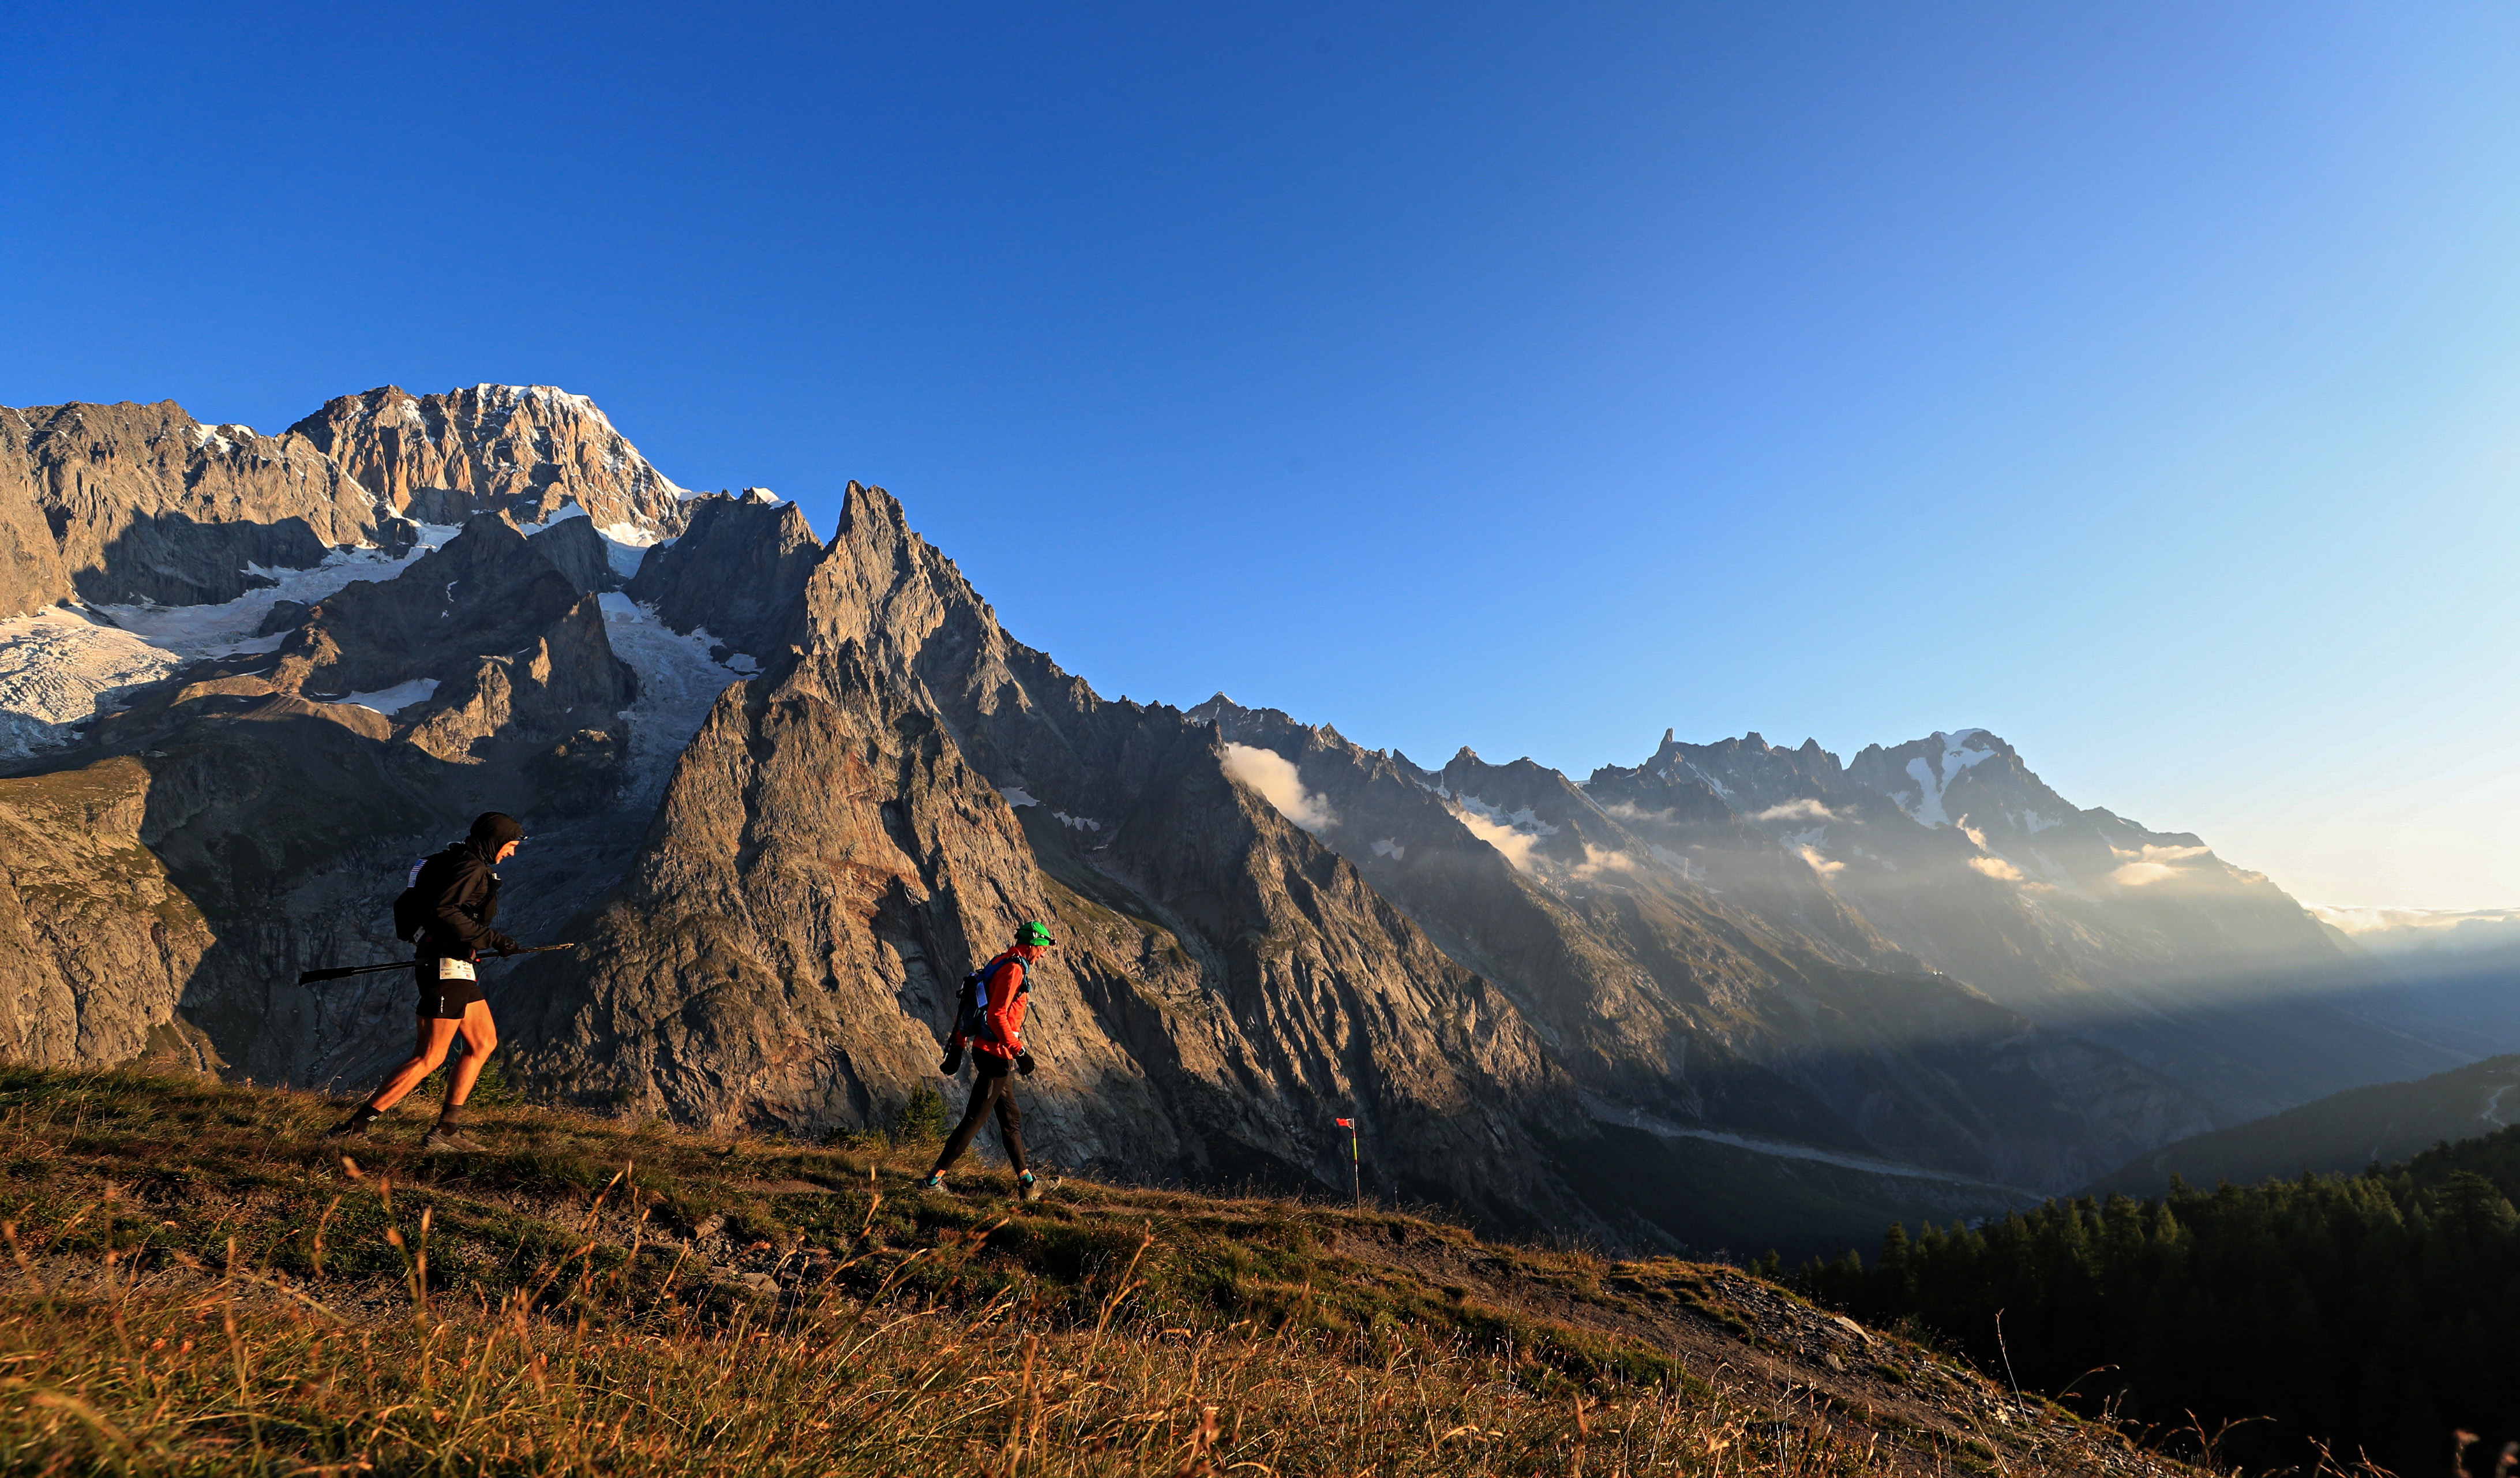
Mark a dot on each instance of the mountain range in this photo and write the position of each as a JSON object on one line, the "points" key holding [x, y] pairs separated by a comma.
{"points": [[784, 788]]}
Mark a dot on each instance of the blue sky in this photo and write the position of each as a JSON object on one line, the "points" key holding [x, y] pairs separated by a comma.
{"points": [[2137, 382]]}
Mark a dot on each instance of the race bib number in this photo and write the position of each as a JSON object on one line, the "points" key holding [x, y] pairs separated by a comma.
{"points": [[455, 969]]}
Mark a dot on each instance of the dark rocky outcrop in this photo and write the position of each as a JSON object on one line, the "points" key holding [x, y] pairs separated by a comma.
{"points": [[95, 943], [477, 606], [576, 550], [735, 572]]}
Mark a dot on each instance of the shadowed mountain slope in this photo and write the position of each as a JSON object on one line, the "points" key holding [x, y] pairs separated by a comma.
{"points": [[2343, 1133]]}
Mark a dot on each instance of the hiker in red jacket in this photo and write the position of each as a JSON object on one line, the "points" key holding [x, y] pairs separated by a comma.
{"points": [[994, 1032]]}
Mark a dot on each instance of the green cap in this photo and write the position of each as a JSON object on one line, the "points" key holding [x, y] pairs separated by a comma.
{"points": [[1033, 934]]}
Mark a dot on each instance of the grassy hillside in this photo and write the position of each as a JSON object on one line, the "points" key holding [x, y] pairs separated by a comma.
{"points": [[197, 1286], [2340, 1134]]}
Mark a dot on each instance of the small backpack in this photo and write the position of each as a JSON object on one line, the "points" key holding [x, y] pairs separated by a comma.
{"points": [[410, 909], [968, 1008]]}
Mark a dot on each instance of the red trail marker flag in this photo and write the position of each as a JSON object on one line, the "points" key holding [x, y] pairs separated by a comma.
{"points": [[1356, 1170]]}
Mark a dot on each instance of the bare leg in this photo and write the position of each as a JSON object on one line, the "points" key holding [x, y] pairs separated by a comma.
{"points": [[435, 1033], [480, 1036]]}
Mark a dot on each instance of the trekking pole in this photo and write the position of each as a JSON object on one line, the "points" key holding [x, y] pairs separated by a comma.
{"points": [[310, 977], [1355, 1169]]}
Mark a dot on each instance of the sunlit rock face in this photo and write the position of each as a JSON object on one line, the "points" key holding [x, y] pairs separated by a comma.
{"points": [[143, 503], [524, 450]]}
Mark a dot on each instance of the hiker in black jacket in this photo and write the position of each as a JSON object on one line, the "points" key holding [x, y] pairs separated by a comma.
{"points": [[454, 901]]}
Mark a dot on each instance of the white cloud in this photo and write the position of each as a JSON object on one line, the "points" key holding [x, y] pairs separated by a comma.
{"points": [[1996, 869], [2150, 854], [1805, 810], [2413, 920], [1516, 845], [2150, 864], [1974, 835], [1274, 777], [1821, 864], [1597, 860]]}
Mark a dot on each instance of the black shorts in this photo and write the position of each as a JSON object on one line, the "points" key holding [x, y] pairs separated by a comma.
{"points": [[443, 1000]]}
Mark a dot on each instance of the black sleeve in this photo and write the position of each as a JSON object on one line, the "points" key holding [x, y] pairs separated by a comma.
{"points": [[449, 926]]}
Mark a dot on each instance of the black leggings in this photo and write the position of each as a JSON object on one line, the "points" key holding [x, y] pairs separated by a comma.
{"points": [[997, 1089]]}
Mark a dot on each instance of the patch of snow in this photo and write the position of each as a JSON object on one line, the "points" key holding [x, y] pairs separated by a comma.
{"points": [[1523, 820], [1718, 786], [761, 496], [1933, 782], [190, 632], [1385, 847], [572, 509], [1079, 824], [626, 546], [395, 699], [59, 668], [1016, 797], [636, 535], [678, 684]]}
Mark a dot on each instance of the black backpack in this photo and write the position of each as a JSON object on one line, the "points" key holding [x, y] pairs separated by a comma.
{"points": [[967, 1004], [411, 911], [415, 910]]}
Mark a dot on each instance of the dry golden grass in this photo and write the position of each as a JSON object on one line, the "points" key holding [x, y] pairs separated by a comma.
{"points": [[196, 1286]]}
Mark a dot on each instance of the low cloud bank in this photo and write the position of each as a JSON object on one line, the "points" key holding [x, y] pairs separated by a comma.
{"points": [[2387, 931], [2148, 865], [1516, 845], [1274, 777], [1805, 810]]}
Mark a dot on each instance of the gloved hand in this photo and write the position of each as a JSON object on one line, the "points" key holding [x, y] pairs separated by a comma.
{"points": [[505, 946], [953, 1062], [1023, 1063]]}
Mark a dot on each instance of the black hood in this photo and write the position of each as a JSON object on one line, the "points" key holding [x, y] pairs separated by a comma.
{"points": [[494, 829]]}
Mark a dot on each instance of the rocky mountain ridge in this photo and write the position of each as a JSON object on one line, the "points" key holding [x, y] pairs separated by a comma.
{"points": [[785, 789]]}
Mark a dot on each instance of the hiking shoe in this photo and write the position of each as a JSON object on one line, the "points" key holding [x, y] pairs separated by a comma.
{"points": [[1026, 1187], [352, 1128], [935, 1183], [451, 1141]]}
